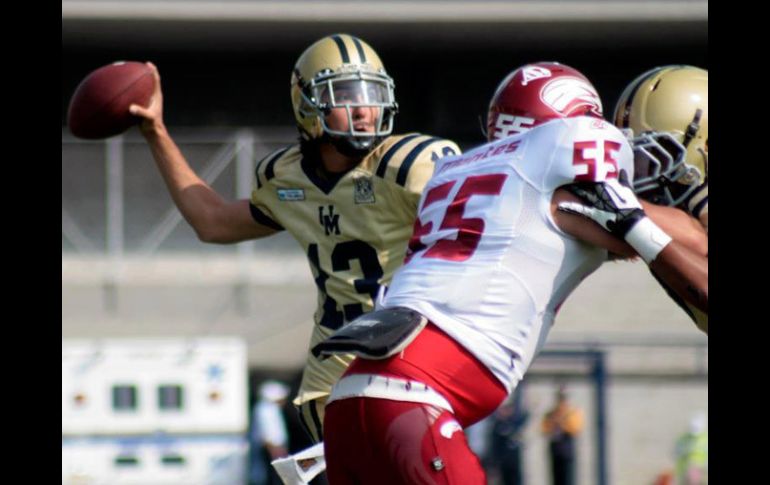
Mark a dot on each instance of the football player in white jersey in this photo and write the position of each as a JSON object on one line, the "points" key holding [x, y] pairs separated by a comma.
{"points": [[490, 262], [666, 110], [348, 192]]}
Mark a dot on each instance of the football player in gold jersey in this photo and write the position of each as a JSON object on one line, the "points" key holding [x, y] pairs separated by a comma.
{"points": [[666, 109], [348, 192]]}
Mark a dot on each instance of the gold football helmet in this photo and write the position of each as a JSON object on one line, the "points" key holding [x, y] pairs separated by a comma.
{"points": [[341, 70], [666, 109]]}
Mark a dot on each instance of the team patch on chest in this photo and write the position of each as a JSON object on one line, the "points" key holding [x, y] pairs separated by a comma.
{"points": [[363, 190], [291, 194]]}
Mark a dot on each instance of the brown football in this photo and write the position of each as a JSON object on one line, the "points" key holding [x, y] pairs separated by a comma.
{"points": [[99, 107]]}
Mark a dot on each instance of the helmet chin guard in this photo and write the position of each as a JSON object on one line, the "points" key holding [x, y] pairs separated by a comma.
{"points": [[353, 146], [661, 172]]}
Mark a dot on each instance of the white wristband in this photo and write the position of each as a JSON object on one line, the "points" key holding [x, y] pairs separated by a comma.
{"points": [[647, 239]]}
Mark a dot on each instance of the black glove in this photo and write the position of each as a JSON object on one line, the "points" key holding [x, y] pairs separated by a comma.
{"points": [[612, 204]]}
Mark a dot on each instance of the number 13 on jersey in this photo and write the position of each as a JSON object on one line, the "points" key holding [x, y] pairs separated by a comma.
{"points": [[468, 229]]}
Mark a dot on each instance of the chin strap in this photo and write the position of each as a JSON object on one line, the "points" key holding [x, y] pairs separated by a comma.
{"points": [[347, 147]]}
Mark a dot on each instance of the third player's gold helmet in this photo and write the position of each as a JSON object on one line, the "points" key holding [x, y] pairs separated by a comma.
{"points": [[667, 110], [334, 64]]}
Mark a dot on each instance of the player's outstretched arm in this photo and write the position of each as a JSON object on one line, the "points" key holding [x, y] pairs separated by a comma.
{"points": [[214, 219], [682, 227], [615, 209], [686, 272], [581, 227]]}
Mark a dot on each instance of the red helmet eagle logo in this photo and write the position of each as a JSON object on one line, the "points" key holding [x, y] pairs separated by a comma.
{"points": [[566, 95]]}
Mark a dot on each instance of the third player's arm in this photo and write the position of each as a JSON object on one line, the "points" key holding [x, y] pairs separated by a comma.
{"points": [[585, 229], [680, 266], [679, 225], [686, 272]]}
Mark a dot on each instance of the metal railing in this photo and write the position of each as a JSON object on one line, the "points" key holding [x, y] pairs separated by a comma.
{"points": [[239, 147]]}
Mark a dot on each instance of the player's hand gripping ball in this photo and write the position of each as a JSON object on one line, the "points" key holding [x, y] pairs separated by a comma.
{"points": [[99, 107]]}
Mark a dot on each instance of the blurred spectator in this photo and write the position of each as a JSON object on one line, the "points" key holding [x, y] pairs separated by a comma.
{"points": [[269, 439], [692, 452], [478, 436], [507, 437], [665, 478], [561, 425]]}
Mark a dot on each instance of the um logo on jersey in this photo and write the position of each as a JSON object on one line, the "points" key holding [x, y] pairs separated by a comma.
{"points": [[330, 222]]}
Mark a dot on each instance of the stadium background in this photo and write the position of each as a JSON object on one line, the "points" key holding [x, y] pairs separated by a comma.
{"points": [[226, 67]]}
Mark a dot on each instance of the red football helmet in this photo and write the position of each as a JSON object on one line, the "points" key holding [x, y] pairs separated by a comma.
{"points": [[539, 92]]}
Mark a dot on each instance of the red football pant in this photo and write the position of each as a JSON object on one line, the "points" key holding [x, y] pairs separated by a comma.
{"points": [[380, 441], [383, 442]]}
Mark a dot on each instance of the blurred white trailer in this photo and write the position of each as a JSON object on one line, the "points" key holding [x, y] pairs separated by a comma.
{"points": [[154, 411]]}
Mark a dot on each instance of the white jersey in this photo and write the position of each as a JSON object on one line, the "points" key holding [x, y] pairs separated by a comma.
{"points": [[487, 264]]}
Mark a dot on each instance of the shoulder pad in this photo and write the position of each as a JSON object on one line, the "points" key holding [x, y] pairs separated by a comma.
{"points": [[698, 202], [395, 158], [565, 151], [266, 167]]}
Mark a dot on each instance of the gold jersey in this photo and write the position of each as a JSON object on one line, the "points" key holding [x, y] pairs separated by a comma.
{"points": [[354, 230], [698, 206]]}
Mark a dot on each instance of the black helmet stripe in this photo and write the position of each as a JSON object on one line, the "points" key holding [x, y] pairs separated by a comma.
{"points": [[626, 108], [341, 46], [360, 49], [299, 76], [692, 128], [639, 81]]}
